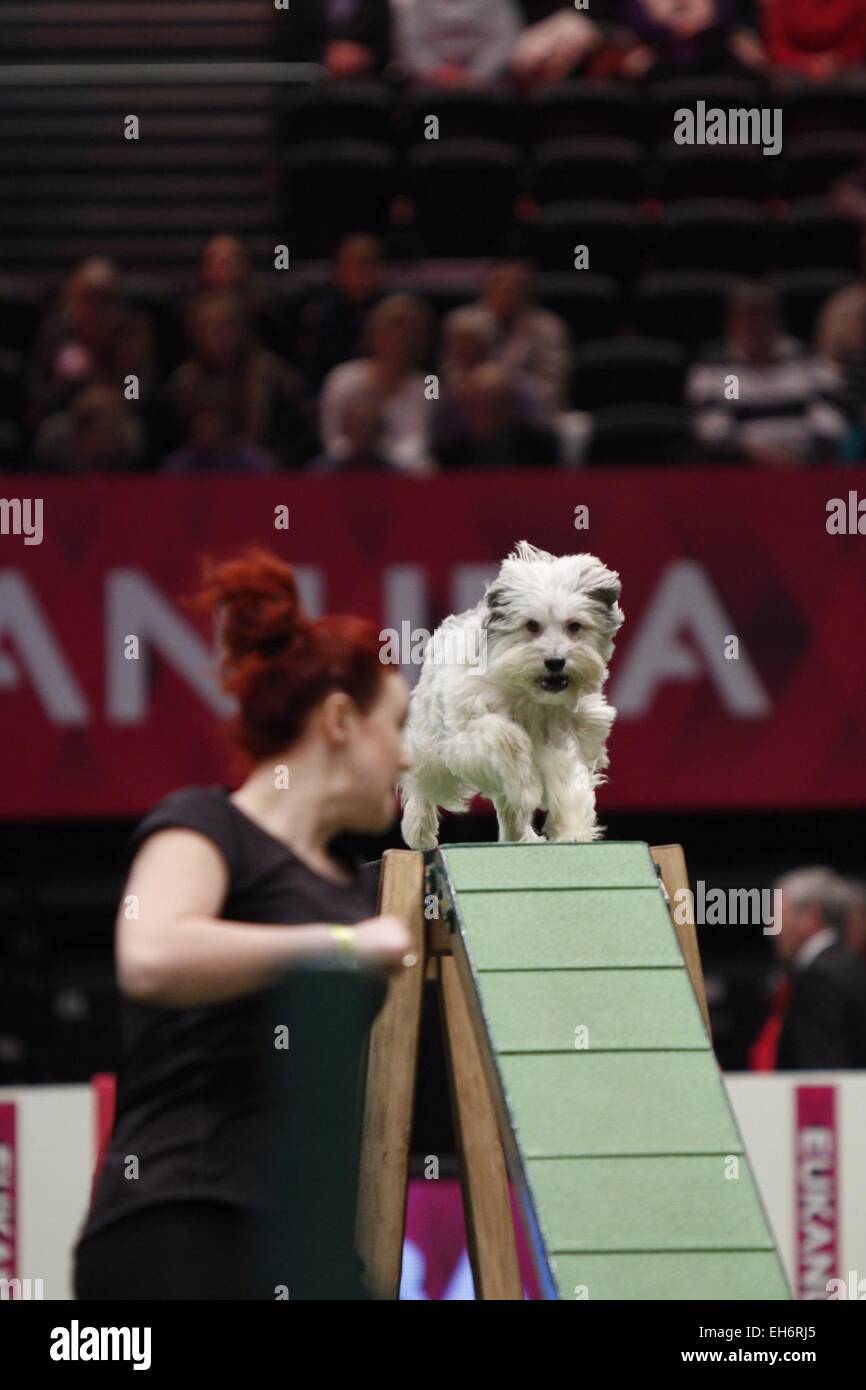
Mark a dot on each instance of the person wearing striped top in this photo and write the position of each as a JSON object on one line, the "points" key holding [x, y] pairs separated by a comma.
{"points": [[761, 396]]}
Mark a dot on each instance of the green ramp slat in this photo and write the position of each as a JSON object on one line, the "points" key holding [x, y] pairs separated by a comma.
{"points": [[620, 1136], [611, 865], [599, 1010], [536, 930], [605, 1204], [680, 1276], [619, 1102]]}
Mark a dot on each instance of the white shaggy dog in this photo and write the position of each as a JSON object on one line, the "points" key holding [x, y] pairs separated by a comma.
{"points": [[509, 702]]}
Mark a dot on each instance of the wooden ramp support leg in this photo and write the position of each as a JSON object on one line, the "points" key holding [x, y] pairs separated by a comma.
{"points": [[671, 863], [390, 1090], [483, 1173]]}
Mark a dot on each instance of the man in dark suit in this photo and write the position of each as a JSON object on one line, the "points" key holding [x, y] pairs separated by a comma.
{"points": [[824, 1026]]}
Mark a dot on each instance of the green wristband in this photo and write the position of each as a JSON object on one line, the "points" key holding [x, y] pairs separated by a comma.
{"points": [[345, 939]]}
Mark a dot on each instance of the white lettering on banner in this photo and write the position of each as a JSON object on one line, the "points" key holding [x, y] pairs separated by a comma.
{"points": [[134, 604], [817, 1221], [404, 598], [685, 603], [8, 1200], [22, 622]]}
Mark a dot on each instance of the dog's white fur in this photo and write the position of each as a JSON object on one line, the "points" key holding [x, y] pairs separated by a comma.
{"points": [[490, 726]]}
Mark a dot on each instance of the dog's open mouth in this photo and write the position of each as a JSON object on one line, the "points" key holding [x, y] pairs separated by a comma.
{"points": [[553, 683]]}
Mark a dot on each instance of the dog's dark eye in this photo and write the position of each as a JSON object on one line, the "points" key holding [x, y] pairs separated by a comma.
{"points": [[532, 625], [575, 627]]}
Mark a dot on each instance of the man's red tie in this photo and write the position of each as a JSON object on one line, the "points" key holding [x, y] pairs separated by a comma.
{"points": [[762, 1053]]}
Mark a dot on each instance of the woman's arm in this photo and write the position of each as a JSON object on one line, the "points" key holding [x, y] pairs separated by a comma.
{"points": [[172, 950]]}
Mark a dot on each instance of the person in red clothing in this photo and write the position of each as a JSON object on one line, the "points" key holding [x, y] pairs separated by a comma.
{"points": [[815, 38]]}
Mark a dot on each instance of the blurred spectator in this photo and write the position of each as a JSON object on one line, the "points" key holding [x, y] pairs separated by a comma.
{"points": [[855, 936], [93, 336], [260, 391], [350, 38], [815, 38], [98, 432], [678, 38], [848, 196], [841, 340], [395, 338], [853, 447], [493, 435], [557, 41], [469, 337], [824, 1023], [214, 440], [841, 333], [761, 397], [332, 322], [532, 340], [456, 43], [361, 425], [225, 265]]}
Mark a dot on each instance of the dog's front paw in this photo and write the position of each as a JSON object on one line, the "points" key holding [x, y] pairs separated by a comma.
{"points": [[595, 719], [581, 833]]}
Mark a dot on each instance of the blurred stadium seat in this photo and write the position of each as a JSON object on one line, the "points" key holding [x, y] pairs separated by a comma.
{"points": [[685, 305], [632, 371], [606, 165], [714, 234], [474, 114], [640, 434], [464, 193], [611, 231], [718, 171], [582, 108], [665, 98], [810, 107], [813, 163], [305, 114], [333, 188], [813, 235], [589, 303]]}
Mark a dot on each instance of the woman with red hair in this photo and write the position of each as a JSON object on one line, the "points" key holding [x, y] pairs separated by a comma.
{"points": [[224, 892]]}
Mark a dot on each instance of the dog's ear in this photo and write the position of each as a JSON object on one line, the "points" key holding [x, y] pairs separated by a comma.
{"points": [[493, 602], [607, 593], [524, 551]]}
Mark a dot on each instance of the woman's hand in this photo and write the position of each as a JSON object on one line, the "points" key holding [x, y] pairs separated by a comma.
{"points": [[345, 59], [382, 942]]}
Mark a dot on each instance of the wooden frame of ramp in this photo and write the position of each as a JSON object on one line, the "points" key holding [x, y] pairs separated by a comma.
{"points": [[486, 1148]]}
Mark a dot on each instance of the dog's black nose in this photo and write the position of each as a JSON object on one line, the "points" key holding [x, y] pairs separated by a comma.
{"points": [[554, 663]]}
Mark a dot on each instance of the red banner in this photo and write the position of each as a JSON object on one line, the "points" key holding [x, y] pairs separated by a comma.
{"points": [[739, 675], [817, 1200], [8, 1194]]}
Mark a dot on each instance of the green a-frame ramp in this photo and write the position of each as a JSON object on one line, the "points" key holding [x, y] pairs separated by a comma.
{"points": [[614, 1122]]}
